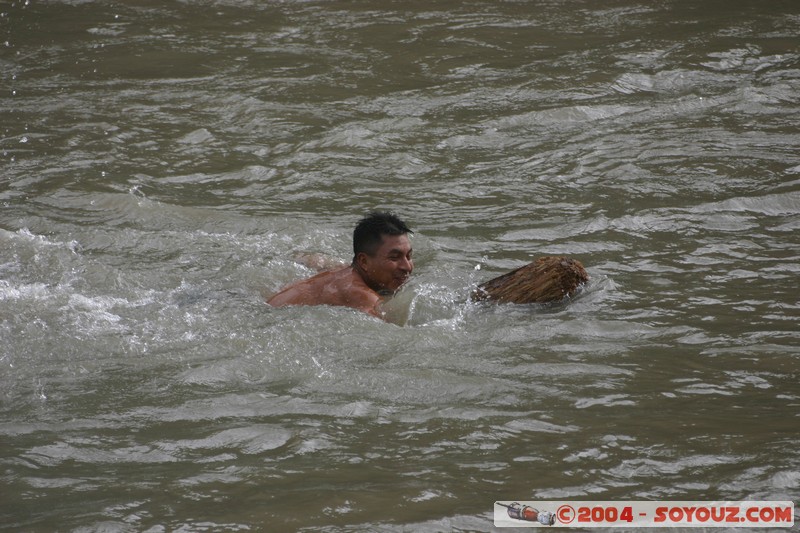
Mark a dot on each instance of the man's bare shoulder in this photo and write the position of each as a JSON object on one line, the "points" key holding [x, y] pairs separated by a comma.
{"points": [[355, 293]]}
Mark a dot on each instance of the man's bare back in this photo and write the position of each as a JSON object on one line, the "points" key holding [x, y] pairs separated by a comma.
{"points": [[342, 287]]}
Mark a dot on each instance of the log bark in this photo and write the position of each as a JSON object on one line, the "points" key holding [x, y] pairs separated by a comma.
{"points": [[546, 280]]}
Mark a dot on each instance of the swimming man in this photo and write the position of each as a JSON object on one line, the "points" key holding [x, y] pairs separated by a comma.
{"points": [[381, 264]]}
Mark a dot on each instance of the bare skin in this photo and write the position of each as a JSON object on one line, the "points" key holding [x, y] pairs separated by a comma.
{"points": [[360, 285]]}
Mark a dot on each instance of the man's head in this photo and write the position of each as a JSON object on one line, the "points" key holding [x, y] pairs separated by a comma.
{"points": [[370, 230], [382, 251]]}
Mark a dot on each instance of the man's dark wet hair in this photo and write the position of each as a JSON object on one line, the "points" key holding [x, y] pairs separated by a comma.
{"points": [[369, 232]]}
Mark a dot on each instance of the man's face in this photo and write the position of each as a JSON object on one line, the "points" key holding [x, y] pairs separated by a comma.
{"points": [[391, 265]]}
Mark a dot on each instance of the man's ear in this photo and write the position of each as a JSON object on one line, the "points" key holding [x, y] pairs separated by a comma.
{"points": [[362, 259]]}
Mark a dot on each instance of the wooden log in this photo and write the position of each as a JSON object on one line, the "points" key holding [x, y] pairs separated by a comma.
{"points": [[546, 280]]}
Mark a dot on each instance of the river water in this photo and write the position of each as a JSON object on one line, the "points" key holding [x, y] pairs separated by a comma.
{"points": [[163, 163]]}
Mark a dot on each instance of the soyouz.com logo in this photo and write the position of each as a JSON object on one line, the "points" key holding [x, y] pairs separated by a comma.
{"points": [[644, 514]]}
